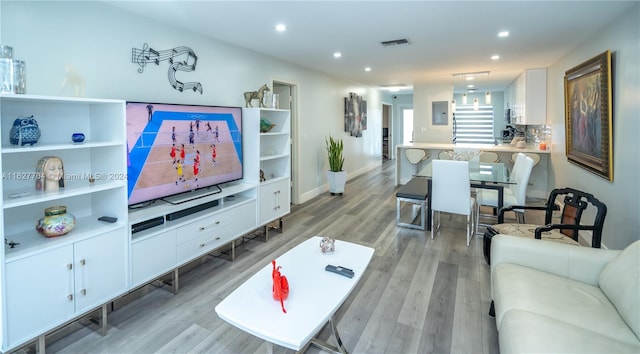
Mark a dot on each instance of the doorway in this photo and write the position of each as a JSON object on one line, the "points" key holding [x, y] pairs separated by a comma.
{"points": [[407, 126], [386, 131], [287, 99]]}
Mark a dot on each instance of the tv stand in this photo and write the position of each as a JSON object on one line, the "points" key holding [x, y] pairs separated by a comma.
{"points": [[191, 229]]}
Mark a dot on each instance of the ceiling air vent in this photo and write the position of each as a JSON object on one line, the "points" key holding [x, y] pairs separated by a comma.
{"points": [[395, 42]]}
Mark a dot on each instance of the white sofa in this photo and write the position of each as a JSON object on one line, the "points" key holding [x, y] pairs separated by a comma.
{"points": [[558, 298]]}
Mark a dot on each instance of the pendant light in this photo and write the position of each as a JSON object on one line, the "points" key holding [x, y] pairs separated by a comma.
{"points": [[476, 104], [464, 98], [453, 105], [487, 97]]}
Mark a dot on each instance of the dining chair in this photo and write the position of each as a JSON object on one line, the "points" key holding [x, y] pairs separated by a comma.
{"points": [[514, 193], [465, 154], [489, 157], [415, 157], [535, 157], [451, 193]]}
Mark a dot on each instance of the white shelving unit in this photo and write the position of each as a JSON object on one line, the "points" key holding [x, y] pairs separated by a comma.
{"points": [[274, 196], [47, 282]]}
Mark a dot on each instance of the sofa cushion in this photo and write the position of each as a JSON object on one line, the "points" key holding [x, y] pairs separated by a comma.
{"points": [[529, 230], [526, 332], [620, 282], [579, 304]]}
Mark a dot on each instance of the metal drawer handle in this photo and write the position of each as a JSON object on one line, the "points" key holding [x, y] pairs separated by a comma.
{"points": [[201, 228]]}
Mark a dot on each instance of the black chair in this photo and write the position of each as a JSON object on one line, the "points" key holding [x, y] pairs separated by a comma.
{"points": [[574, 203]]}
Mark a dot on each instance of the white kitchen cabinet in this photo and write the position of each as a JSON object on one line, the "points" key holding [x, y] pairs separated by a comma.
{"points": [[36, 278], [49, 288], [529, 97], [274, 195]]}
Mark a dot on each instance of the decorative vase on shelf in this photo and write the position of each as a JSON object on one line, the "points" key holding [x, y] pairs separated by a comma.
{"points": [[56, 222], [265, 125]]}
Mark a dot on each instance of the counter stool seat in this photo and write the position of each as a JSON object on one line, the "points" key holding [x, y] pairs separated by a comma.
{"points": [[414, 192]]}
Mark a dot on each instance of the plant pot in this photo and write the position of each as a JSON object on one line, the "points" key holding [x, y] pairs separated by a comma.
{"points": [[337, 181]]}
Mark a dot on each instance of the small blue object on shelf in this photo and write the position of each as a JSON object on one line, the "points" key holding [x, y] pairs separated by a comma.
{"points": [[77, 137]]}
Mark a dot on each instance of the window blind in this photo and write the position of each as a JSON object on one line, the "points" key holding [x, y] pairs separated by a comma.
{"points": [[473, 127]]}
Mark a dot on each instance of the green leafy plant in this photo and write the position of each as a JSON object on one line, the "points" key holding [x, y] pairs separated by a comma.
{"points": [[334, 149]]}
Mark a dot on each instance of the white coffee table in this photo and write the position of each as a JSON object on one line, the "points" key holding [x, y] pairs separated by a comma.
{"points": [[314, 296]]}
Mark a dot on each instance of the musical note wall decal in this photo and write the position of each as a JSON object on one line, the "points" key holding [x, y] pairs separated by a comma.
{"points": [[180, 59]]}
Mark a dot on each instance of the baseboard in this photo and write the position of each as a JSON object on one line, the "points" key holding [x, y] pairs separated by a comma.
{"points": [[305, 197]]}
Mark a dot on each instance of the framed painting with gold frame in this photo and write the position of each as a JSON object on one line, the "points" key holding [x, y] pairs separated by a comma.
{"points": [[588, 115]]}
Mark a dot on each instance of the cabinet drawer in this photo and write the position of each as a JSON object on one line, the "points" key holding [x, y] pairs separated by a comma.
{"points": [[202, 227], [202, 244]]}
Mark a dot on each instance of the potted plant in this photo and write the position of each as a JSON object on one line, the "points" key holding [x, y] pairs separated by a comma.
{"points": [[336, 177]]}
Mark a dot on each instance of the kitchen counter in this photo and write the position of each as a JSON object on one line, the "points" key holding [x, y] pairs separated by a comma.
{"points": [[484, 147], [537, 182]]}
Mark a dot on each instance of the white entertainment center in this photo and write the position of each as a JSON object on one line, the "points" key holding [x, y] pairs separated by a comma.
{"points": [[47, 283]]}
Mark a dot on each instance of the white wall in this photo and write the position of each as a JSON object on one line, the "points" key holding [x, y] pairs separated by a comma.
{"points": [[622, 196], [96, 40], [423, 97]]}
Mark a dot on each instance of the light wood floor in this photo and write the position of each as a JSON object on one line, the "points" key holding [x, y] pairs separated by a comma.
{"points": [[417, 296]]}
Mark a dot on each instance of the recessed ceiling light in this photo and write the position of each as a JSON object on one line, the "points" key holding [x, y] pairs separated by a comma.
{"points": [[337, 55], [367, 68], [280, 27], [503, 34], [495, 57], [470, 85]]}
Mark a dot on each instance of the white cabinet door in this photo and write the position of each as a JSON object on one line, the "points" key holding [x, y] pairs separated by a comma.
{"points": [[536, 97], [153, 257], [39, 293], [100, 269], [244, 220], [530, 97], [274, 201]]}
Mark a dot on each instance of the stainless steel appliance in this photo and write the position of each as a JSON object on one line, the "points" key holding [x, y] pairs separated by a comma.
{"points": [[508, 134]]}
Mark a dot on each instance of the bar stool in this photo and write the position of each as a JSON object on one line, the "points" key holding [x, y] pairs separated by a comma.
{"points": [[415, 157], [489, 157]]}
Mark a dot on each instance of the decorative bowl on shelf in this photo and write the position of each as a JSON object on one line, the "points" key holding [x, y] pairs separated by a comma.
{"points": [[265, 125], [77, 138], [56, 222]]}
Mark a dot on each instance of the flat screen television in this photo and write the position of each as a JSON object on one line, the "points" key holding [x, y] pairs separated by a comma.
{"points": [[175, 149]]}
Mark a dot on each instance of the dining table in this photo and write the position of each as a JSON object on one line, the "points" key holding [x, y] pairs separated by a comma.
{"points": [[481, 175]]}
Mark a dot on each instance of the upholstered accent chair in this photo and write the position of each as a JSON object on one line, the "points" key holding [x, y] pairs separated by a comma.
{"points": [[572, 203]]}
